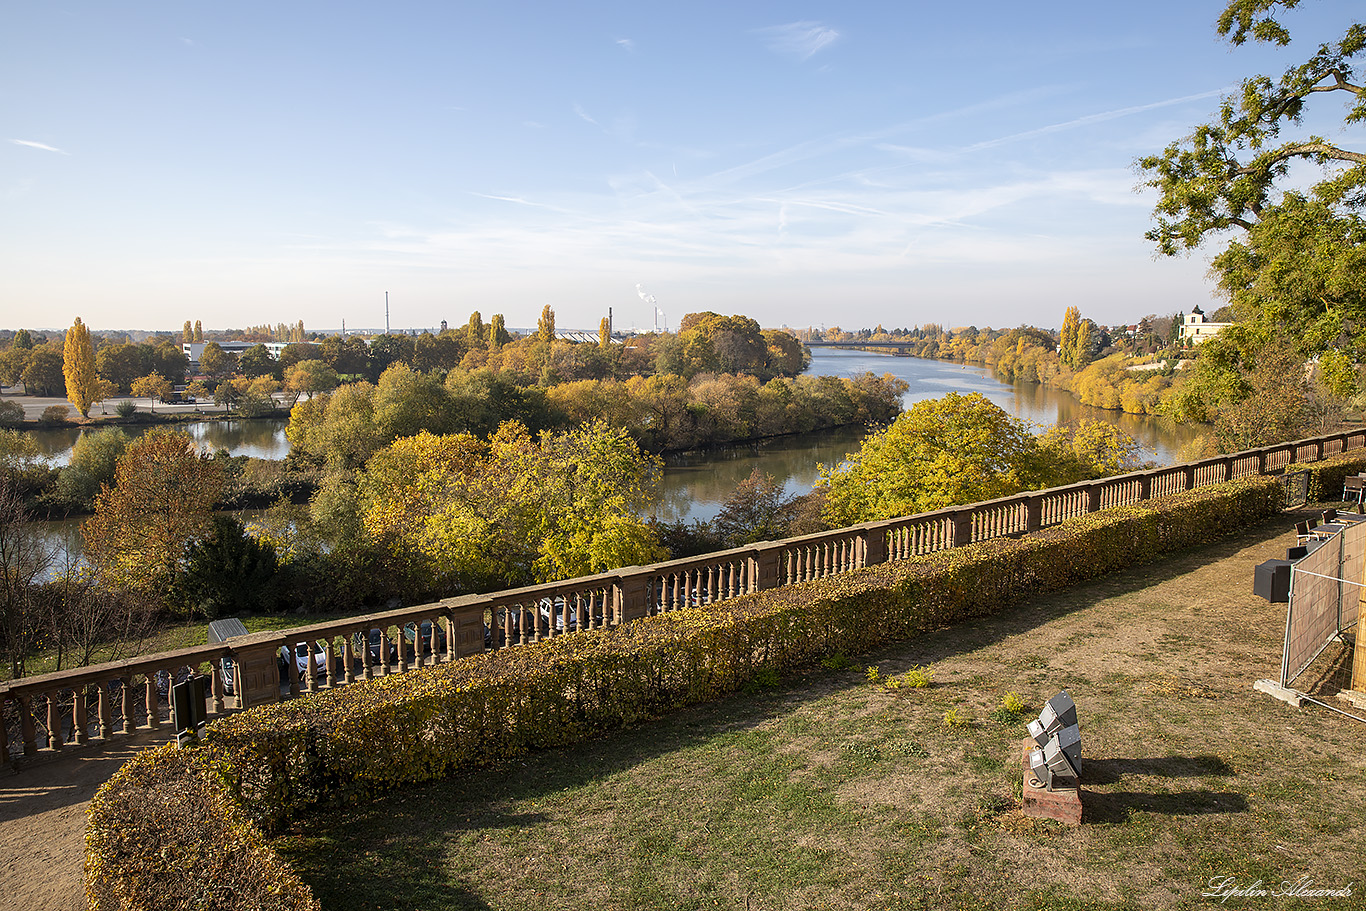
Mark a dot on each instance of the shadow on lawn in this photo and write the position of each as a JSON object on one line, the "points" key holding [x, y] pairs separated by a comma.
{"points": [[1118, 806]]}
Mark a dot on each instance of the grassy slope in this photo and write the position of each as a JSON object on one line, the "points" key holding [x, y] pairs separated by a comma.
{"points": [[827, 791]]}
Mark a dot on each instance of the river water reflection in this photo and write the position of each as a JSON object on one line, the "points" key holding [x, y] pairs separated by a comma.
{"points": [[696, 484]]}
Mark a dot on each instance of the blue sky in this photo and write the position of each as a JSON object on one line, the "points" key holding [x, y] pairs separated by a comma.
{"points": [[804, 163]]}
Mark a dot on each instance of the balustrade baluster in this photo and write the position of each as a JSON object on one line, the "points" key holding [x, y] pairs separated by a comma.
{"points": [[106, 711], [4, 733], [80, 722], [129, 722], [153, 697], [54, 720]]}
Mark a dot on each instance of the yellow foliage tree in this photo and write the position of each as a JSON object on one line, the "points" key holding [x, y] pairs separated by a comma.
{"points": [[162, 500], [78, 365]]}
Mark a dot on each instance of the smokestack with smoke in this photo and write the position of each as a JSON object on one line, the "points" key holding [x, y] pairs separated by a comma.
{"points": [[650, 299]]}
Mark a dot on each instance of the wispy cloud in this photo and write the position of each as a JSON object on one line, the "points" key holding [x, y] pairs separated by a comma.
{"points": [[627, 43], [188, 42], [38, 145], [798, 39], [583, 115], [1095, 118]]}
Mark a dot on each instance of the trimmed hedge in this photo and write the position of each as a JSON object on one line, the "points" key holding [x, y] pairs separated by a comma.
{"points": [[165, 833], [364, 739], [1326, 478]]}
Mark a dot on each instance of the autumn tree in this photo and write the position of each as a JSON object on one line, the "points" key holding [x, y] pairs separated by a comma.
{"points": [[475, 333], [198, 331], [309, 378], [216, 363], [545, 326], [498, 334], [512, 509], [187, 334], [78, 366], [154, 387], [161, 501], [1067, 338], [604, 333]]}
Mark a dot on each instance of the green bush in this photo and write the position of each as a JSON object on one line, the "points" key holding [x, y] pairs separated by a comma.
{"points": [[1326, 478], [126, 408], [55, 414], [11, 414], [352, 743]]}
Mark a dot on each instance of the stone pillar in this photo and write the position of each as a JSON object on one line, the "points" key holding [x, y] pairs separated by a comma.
{"points": [[258, 670], [766, 566], [467, 625], [962, 528], [1033, 513], [1093, 494], [873, 539], [630, 595]]}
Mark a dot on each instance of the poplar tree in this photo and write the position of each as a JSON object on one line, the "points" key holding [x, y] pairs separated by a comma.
{"points": [[1067, 340], [498, 334], [78, 365], [187, 333], [198, 331], [545, 326], [604, 333]]}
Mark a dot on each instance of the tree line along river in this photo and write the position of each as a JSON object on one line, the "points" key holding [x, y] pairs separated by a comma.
{"points": [[695, 484]]}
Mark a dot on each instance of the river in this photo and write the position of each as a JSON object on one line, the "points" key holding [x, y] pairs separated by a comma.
{"points": [[696, 484]]}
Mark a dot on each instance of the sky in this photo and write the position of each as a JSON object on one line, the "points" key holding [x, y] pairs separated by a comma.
{"points": [[806, 164]]}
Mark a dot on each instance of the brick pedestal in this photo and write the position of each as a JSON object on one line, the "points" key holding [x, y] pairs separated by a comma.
{"points": [[1064, 805]]}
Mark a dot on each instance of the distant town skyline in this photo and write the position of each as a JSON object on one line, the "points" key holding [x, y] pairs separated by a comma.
{"points": [[882, 163]]}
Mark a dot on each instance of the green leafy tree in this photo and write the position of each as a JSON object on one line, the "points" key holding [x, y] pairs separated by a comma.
{"points": [[43, 374], [93, 461], [78, 367], [227, 572], [956, 449], [256, 361], [198, 331], [1293, 263], [498, 334], [22, 339]]}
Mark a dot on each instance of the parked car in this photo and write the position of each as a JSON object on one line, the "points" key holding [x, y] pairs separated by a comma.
{"points": [[410, 633], [301, 651], [374, 647]]}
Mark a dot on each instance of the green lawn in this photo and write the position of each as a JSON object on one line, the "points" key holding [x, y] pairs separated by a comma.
{"points": [[828, 791]]}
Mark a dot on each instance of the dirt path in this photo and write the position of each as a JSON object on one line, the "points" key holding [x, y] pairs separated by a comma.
{"points": [[42, 828]]}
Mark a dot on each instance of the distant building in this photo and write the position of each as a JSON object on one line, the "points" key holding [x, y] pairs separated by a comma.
{"points": [[194, 349], [1196, 329]]}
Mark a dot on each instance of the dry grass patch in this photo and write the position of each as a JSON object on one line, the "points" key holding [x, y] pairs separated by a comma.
{"points": [[831, 792]]}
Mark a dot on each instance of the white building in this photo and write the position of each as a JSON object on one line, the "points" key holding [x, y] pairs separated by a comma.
{"points": [[1196, 329], [194, 349]]}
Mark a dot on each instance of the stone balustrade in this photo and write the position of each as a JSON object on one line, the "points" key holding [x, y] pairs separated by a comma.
{"points": [[46, 714]]}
